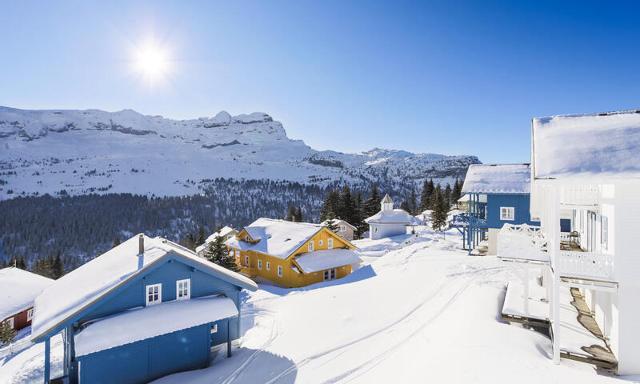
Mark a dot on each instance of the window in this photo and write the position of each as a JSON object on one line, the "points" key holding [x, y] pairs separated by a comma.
{"points": [[259, 264], [214, 329], [30, 314], [280, 270], [330, 243], [246, 261], [310, 247], [183, 289], [320, 242], [9, 322], [330, 274], [343, 228], [154, 294], [507, 213], [268, 265]]}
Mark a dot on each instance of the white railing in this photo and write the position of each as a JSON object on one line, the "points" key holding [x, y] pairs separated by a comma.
{"points": [[580, 195], [523, 242], [589, 265]]}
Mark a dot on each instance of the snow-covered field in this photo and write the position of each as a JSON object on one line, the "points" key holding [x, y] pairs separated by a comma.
{"points": [[422, 312]]}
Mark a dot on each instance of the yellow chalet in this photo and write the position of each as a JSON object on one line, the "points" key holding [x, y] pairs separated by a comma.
{"points": [[291, 254]]}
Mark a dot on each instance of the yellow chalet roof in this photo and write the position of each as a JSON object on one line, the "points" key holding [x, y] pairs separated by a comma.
{"points": [[275, 237]]}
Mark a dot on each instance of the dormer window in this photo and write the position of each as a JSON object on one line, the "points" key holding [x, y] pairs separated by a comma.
{"points": [[153, 294], [183, 289]]}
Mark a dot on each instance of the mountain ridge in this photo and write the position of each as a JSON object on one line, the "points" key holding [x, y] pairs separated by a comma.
{"points": [[93, 151]]}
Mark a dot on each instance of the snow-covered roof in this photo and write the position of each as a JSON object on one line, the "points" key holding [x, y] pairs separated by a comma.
{"points": [[18, 289], [155, 320], [497, 178], [81, 287], [223, 232], [330, 258], [278, 238], [607, 145], [338, 222], [395, 216]]}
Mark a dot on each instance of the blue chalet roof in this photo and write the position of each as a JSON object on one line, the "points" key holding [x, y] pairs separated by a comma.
{"points": [[498, 178], [87, 284]]}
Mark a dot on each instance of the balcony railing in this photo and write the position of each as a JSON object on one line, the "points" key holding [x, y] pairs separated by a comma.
{"points": [[587, 265], [522, 242]]}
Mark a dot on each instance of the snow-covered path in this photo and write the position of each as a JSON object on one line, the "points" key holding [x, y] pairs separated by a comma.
{"points": [[421, 313]]}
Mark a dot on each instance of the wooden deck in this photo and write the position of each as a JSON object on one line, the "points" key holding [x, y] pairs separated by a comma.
{"points": [[595, 354], [598, 353]]}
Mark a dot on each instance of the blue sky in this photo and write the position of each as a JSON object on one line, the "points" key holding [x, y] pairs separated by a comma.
{"points": [[462, 77]]}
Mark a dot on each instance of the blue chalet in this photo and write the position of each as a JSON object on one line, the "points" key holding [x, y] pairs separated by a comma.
{"points": [[497, 194], [145, 309]]}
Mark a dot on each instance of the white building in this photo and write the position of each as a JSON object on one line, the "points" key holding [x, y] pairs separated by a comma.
{"points": [[389, 222], [586, 192], [343, 229]]}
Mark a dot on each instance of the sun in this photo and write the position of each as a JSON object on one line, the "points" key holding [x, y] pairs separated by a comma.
{"points": [[151, 61]]}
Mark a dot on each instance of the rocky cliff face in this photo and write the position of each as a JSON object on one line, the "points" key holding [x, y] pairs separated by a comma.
{"points": [[92, 151]]}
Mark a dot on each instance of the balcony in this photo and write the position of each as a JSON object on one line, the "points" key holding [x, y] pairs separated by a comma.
{"points": [[585, 265], [522, 243]]}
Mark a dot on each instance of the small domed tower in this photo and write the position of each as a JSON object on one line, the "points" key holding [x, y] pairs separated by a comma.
{"points": [[387, 203]]}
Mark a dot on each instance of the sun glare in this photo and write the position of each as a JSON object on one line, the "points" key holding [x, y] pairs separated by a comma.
{"points": [[151, 61]]}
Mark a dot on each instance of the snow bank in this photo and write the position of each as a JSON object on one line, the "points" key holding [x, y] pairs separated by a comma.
{"points": [[18, 290], [331, 258], [497, 178], [279, 238], [144, 323], [82, 286], [586, 145]]}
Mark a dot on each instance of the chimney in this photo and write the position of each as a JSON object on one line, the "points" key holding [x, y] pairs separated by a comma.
{"points": [[140, 244]]}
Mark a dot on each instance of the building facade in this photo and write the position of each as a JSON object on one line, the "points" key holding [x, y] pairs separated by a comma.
{"points": [[18, 290], [497, 194], [343, 229], [142, 310], [291, 254], [388, 221]]}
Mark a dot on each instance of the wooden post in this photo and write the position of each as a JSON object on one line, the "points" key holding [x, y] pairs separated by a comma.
{"points": [[47, 357], [228, 338]]}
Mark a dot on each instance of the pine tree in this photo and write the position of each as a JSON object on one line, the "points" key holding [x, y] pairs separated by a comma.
{"points": [[291, 213], [297, 215], [447, 195], [201, 236], [456, 192], [371, 206], [7, 334], [347, 209], [57, 267], [116, 242], [330, 205], [331, 222], [219, 254], [439, 207], [412, 202], [20, 263], [426, 195]]}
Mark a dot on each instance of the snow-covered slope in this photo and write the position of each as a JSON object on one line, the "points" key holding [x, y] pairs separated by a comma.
{"points": [[48, 151]]}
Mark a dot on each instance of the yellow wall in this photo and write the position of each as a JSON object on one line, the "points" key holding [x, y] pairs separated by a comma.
{"points": [[290, 277]]}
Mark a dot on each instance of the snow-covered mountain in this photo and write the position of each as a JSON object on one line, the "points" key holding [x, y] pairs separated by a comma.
{"points": [[79, 152]]}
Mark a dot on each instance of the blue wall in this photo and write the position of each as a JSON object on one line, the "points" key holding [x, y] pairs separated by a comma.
{"points": [[149, 359], [152, 358], [520, 202], [133, 295]]}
